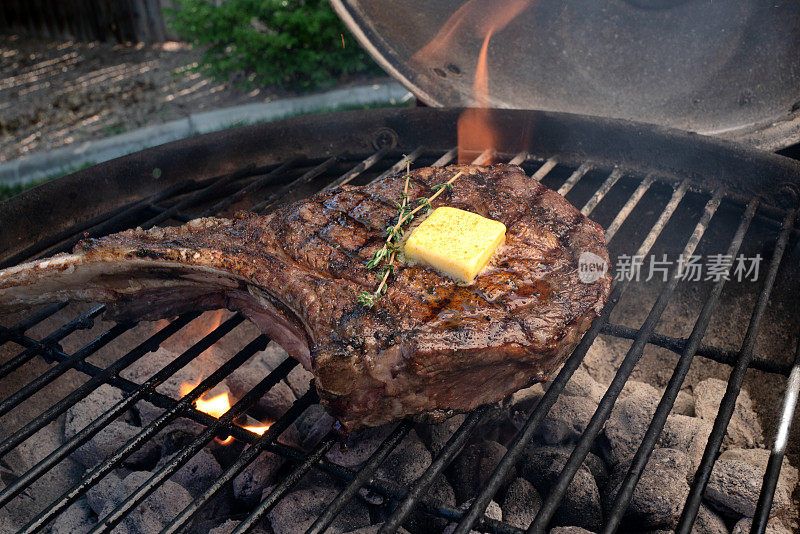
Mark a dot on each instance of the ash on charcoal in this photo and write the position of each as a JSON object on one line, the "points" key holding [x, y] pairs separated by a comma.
{"points": [[521, 503], [707, 522], [406, 462], [662, 489], [581, 384], [154, 513], [213, 526], [77, 519], [744, 429], [684, 404], [493, 511], [318, 430], [522, 403], [582, 504], [570, 530], [440, 492], [471, 469], [736, 482], [773, 527], [194, 371], [298, 509], [262, 472], [435, 436], [687, 434], [629, 420], [308, 419], [567, 420], [373, 529], [47, 488], [98, 495], [274, 402], [197, 474], [360, 445], [110, 438]]}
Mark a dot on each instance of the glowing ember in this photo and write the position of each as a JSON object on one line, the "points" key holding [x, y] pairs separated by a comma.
{"points": [[215, 406], [257, 429]]}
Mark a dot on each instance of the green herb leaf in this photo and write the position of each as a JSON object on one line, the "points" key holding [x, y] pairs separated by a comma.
{"points": [[445, 185], [377, 257], [366, 299], [387, 268]]}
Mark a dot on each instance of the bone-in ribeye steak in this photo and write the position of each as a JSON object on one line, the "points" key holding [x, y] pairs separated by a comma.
{"points": [[429, 346]]}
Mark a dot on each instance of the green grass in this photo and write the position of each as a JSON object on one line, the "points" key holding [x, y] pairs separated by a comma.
{"points": [[8, 191]]}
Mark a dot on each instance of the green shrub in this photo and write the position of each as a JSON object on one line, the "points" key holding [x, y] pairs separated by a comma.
{"points": [[291, 43]]}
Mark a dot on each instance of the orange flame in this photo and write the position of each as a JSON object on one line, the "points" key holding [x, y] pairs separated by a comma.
{"points": [[216, 406], [476, 17], [477, 130]]}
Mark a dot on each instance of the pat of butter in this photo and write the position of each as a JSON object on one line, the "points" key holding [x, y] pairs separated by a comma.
{"points": [[456, 242]]}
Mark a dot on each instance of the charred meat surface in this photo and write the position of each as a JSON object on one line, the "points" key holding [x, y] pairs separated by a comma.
{"points": [[429, 346]]}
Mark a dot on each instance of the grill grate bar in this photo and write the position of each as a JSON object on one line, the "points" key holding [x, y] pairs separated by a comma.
{"points": [[275, 495], [615, 175], [246, 458], [101, 422], [364, 474], [520, 158], [250, 398], [59, 369], [626, 210], [55, 243], [177, 408], [32, 320], [443, 459], [400, 165], [358, 169], [253, 186], [446, 158], [546, 167], [525, 434], [761, 516], [603, 410], [198, 196], [677, 345], [659, 419], [574, 178], [80, 322], [304, 179], [108, 225], [87, 387], [394, 491], [735, 381]]}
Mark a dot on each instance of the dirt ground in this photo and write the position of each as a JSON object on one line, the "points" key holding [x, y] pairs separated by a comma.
{"points": [[56, 93]]}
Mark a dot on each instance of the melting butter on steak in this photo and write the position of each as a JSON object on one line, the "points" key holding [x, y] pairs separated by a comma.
{"points": [[429, 346]]}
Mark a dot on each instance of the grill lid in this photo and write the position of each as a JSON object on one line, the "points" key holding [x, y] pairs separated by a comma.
{"points": [[728, 68]]}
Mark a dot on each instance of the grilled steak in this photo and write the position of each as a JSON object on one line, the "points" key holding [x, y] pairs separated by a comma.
{"points": [[428, 346]]}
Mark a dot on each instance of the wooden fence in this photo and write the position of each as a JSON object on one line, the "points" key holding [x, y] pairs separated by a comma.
{"points": [[84, 20]]}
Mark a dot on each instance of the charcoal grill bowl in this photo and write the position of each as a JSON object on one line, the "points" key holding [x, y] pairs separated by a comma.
{"points": [[49, 212], [124, 190]]}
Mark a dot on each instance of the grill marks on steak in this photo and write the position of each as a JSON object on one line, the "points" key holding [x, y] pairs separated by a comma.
{"points": [[428, 346]]}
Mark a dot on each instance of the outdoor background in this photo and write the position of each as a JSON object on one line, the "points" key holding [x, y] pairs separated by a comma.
{"points": [[105, 68]]}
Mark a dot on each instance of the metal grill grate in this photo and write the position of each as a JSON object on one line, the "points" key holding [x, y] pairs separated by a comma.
{"points": [[269, 186]]}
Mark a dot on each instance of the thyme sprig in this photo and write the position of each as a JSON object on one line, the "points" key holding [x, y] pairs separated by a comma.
{"points": [[394, 234]]}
